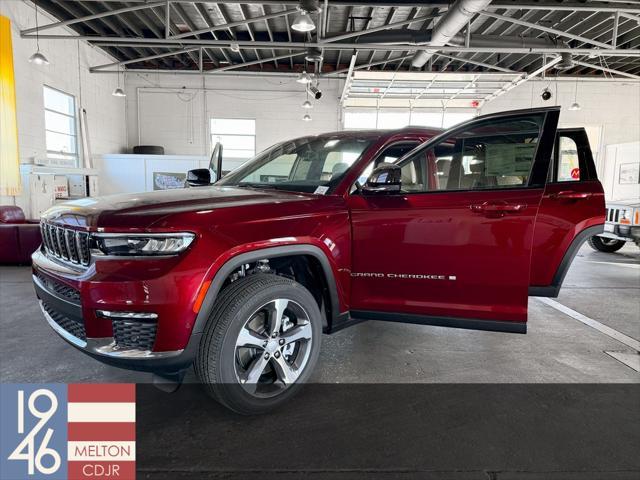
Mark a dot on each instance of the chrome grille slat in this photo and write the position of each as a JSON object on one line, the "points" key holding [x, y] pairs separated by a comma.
{"points": [[66, 244]]}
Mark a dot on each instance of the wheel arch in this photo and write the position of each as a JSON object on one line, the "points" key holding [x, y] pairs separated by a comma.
{"points": [[332, 314], [553, 290]]}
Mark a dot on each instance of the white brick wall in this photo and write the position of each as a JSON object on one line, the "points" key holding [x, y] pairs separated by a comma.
{"points": [[613, 107], [177, 118], [68, 71]]}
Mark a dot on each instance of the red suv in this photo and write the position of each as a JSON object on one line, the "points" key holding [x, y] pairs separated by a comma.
{"points": [[453, 228]]}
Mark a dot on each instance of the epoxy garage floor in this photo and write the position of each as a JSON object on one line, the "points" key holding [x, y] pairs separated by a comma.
{"points": [[589, 334]]}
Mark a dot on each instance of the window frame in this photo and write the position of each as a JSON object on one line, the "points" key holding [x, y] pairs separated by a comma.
{"points": [[585, 157], [254, 135], [49, 153], [535, 172]]}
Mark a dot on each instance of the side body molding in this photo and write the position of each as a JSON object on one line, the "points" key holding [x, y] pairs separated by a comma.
{"points": [[283, 251]]}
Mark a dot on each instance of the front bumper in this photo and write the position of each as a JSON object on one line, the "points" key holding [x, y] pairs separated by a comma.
{"points": [[65, 317]]}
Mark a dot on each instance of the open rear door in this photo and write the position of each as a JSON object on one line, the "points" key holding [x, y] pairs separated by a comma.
{"points": [[571, 211], [456, 252]]}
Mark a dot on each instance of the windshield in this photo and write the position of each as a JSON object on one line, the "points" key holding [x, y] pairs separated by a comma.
{"points": [[300, 165]]}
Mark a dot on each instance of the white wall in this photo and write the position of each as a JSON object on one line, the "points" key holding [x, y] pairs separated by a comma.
{"points": [[68, 71], [173, 110], [610, 110]]}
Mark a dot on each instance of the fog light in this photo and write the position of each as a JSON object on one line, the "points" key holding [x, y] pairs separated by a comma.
{"points": [[126, 315]]}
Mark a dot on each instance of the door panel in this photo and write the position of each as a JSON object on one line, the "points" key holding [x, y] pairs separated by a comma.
{"points": [[456, 245], [573, 201]]}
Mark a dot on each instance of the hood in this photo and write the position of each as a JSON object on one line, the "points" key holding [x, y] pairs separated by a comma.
{"points": [[141, 210], [624, 203]]}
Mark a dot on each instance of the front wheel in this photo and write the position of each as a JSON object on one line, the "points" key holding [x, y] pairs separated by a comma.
{"points": [[260, 344], [603, 244]]}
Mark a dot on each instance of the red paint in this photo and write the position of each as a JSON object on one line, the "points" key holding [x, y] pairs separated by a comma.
{"points": [[493, 255]]}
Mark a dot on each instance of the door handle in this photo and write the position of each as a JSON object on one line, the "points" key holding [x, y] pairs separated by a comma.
{"points": [[571, 195], [498, 207]]}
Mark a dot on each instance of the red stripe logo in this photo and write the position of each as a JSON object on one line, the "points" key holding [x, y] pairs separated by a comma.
{"points": [[101, 431]]}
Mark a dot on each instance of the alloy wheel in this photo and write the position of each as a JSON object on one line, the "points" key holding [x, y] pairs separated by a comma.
{"points": [[273, 348]]}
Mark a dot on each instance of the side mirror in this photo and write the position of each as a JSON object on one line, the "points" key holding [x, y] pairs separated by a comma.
{"points": [[198, 177], [385, 178]]}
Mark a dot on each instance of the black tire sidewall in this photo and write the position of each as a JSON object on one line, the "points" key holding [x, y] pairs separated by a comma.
{"points": [[228, 388], [597, 243]]}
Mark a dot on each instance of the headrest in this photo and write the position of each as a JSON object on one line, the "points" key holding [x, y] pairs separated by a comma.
{"points": [[477, 167], [339, 168], [11, 214]]}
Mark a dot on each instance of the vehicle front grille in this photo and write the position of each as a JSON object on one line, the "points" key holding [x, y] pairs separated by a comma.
{"points": [[59, 288], [66, 244], [613, 214], [132, 334], [74, 327]]}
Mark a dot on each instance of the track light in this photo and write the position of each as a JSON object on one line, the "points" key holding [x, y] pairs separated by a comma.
{"points": [[317, 94], [304, 77], [38, 58], [546, 94], [307, 117]]}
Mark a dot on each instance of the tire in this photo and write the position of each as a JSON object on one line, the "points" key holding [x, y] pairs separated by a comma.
{"points": [[225, 368], [608, 245], [148, 150]]}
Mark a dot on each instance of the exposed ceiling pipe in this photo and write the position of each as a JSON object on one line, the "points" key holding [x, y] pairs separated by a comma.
{"points": [[451, 24], [508, 41]]}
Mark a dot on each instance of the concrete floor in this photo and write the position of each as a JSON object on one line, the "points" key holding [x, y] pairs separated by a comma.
{"points": [[396, 401], [557, 348]]}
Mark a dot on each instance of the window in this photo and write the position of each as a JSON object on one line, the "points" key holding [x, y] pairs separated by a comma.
{"points": [[490, 155], [388, 155], [399, 118], [60, 125], [568, 161], [237, 136], [300, 165]]}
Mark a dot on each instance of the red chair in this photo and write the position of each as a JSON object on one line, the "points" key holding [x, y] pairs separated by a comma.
{"points": [[19, 237]]}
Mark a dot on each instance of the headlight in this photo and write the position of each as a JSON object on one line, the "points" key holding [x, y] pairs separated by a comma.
{"points": [[143, 244]]}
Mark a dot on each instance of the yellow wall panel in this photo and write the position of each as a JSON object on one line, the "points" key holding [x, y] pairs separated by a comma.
{"points": [[9, 162]]}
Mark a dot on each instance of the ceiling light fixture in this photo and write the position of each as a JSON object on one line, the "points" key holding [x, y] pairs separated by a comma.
{"points": [[118, 91], [313, 55], [303, 22], [304, 77], [307, 117], [38, 58], [307, 104], [575, 106], [234, 47]]}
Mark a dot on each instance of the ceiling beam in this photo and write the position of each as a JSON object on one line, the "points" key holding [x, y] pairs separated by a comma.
{"points": [[125, 41], [535, 26], [143, 59], [91, 17], [605, 69], [378, 29], [235, 24], [591, 6]]}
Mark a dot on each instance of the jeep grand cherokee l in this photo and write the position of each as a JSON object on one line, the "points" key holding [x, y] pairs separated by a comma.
{"points": [[240, 279]]}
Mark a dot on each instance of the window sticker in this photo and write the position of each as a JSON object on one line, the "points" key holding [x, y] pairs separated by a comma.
{"points": [[321, 190], [509, 159]]}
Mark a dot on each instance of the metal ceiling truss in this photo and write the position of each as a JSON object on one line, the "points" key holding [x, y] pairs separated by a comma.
{"points": [[190, 36]]}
